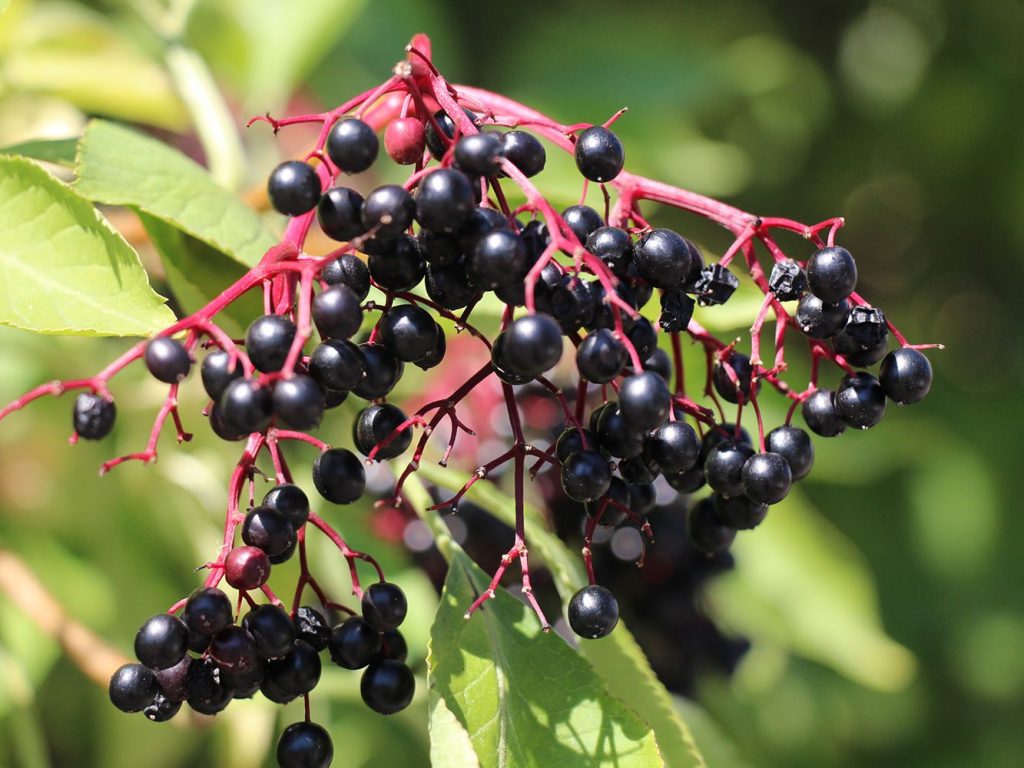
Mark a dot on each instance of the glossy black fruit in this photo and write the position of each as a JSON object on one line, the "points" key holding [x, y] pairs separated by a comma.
{"points": [[293, 188], [167, 360], [444, 200], [162, 641], [644, 401], [599, 154], [340, 213], [271, 629], [409, 332], [384, 605], [819, 412], [339, 476], [820, 320], [600, 357], [662, 258], [398, 265], [739, 512], [533, 344], [732, 387], [267, 529], [383, 370], [352, 145], [387, 212], [298, 402], [497, 257], [706, 533], [337, 313], [93, 416], [387, 686], [208, 611], [767, 478], [524, 151], [246, 406], [905, 375], [291, 501], [582, 220], [133, 688], [218, 371], [832, 274], [586, 476], [593, 612], [794, 445], [860, 401], [354, 643], [723, 467], [304, 745], [349, 270], [268, 340], [376, 423], [674, 446], [337, 365], [480, 154]]}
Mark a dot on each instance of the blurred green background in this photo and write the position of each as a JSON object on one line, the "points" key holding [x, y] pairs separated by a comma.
{"points": [[902, 115]]}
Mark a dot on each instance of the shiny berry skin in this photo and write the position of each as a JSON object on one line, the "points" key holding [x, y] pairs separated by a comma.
{"points": [[339, 476], [267, 341], [247, 568], [593, 612], [662, 257], [393, 645], [479, 154], [268, 530], [600, 357], [611, 245], [383, 370], [399, 267], [133, 688], [644, 401], [435, 356], [582, 220], [586, 476], [860, 401], [723, 467], [820, 320], [524, 151], [444, 200], [610, 505], [794, 445], [409, 332], [533, 344], [311, 626], [352, 145], [387, 686], [643, 337], [706, 533], [437, 145], [502, 368], [616, 437], [832, 274], [441, 249], [404, 140], [354, 643], [819, 412], [298, 402], [340, 213], [234, 650], [167, 360], [767, 478], [497, 257], [449, 285], [569, 442], [376, 423], [293, 188], [291, 501], [271, 629], [336, 312], [93, 416], [297, 672], [638, 470], [162, 641], [690, 481], [208, 611], [208, 692], [218, 371], [864, 340], [384, 605], [599, 154], [337, 365], [349, 270], [246, 406], [728, 388], [388, 211], [905, 376], [674, 446], [304, 745], [739, 512]]}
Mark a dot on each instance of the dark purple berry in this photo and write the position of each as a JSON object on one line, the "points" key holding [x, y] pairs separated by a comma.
{"points": [[387, 686], [94, 416], [593, 612], [339, 476], [162, 641], [819, 411], [167, 360], [905, 376], [352, 145], [293, 188], [599, 154]]}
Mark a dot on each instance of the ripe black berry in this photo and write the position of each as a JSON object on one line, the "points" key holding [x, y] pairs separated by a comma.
{"points": [[731, 388], [291, 501], [388, 211], [616, 436], [208, 692], [582, 220], [268, 530], [399, 266], [444, 200], [246, 568], [479, 154], [706, 533], [218, 371], [690, 481], [611, 505], [497, 257], [304, 745], [387, 686], [794, 445], [246, 406], [167, 360], [570, 441], [162, 641], [723, 467], [905, 375], [337, 365], [268, 340], [593, 612], [408, 331], [524, 151], [599, 154], [860, 401], [393, 645], [340, 213], [767, 478], [739, 512], [354, 643], [819, 411], [449, 285], [832, 274], [586, 476], [312, 627], [674, 446], [600, 357], [376, 423], [435, 143], [349, 270], [208, 611], [643, 337], [352, 145], [133, 688], [297, 672], [298, 402], [662, 258], [94, 416], [337, 313], [533, 344], [383, 370], [293, 188], [644, 401], [234, 650], [271, 629], [384, 605], [820, 320], [612, 245], [339, 476]]}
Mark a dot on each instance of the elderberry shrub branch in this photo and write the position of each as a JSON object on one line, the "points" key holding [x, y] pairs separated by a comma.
{"points": [[579, 274]]}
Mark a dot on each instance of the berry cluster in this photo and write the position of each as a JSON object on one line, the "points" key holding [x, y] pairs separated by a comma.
{"points": [[468, 222]]}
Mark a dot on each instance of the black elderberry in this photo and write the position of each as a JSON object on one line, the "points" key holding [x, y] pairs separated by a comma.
{"points": [[291, 501], [905, 375], [819, 412], [376, 423], [437, 145], [162, 641], [524, 152], [820, 320], [599, 154], [723, 467], [533, 344], [399, 266], [246, 406], [449, 286], [348, 270], [706, 533], [612, 505], [393, 645], [586, 476], [690, 481], [739, 512], [382, 371], [234, 650], [500, 363], [441, 249], [444, 200], [860, 401], [435, 356], [387, 212], [339, 476], [787, 281], [570, 441], [354, 643], [161, 709], [497, 257], [173, 680], [352, 145], [286, 555], [208, 693], [582, 220], [93, 416], [167, 360], [245, 684], [312, 627], [662, 258], [218, 371], [340, 212], [644, 401], [733, 387], [481, 222], [639, 469], [715, 286], [384, 605], [387, 686], [208, 611], [831, 274], [268, 340], [298, 671], [600, 357], [767, 478], [269, 530], [479, 154], [643, 337], [617, 437], [298, 402], [271, 629], [864, 339], [676, 311], [408, 331], [612, 245], [659, 363], [593, 612], [643, 497], [336, 312], [133, 688], [304, 745], [674, 447], [293, 188], [337, 365], [794, 445]]}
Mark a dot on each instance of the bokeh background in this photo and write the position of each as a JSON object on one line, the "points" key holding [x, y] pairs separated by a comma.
{"points": [[902, 115]]}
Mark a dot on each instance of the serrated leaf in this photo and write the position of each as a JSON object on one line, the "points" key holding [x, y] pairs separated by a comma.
{"points": [[198, 273], [66, 270], [119, 166], [524, 696], [56, 151]]}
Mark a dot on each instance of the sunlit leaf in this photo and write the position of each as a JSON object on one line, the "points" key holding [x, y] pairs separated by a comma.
{"points": [[450, 745]]}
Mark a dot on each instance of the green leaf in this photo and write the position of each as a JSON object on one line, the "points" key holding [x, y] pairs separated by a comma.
{"points": [[617, 658], [198, 273], [524, 696], [65, 268], [450, 746], [57, 151], [801, 586], [119, 166]]}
